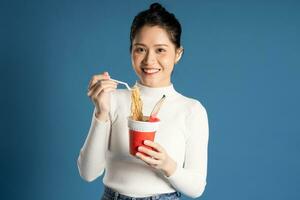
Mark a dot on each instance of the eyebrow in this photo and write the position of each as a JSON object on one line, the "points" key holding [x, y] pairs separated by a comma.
{"points": [[154, 45]]}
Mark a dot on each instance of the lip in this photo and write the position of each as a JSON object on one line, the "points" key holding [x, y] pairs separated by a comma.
{"points": [[150, 73]]}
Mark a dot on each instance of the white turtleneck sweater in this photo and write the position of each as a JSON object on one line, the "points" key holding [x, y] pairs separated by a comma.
{"points": [[183, 133]]}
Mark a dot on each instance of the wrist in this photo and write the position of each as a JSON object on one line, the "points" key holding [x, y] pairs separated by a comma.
{"points": [[170, 168], [102, 116]]}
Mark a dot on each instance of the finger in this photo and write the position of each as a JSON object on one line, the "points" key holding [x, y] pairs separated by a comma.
{"points": [[98, 77], [149, 152], [105, 74], [107, 90], [147, 159], [103, 81], [97, 95], [95, 88], [154, 145], [101, 85]]}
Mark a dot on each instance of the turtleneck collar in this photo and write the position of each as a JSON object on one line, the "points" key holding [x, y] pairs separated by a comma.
{"points": [[169, 91]]}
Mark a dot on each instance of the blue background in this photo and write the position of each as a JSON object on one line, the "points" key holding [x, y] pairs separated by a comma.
{"points": [[241, 60]]}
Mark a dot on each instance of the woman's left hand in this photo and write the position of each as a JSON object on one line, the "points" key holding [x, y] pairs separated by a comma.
{"points": [[158, 158]]}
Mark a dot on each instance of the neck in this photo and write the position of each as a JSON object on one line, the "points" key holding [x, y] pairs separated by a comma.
{"points": [[156, 92], [155, 86]]}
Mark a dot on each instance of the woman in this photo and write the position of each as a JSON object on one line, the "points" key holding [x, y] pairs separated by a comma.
{"points": [[178, 163]]}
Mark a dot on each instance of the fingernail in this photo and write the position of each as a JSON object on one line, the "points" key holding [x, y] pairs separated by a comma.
{"points": [[146, 142], [106, 74], [139, 148]]}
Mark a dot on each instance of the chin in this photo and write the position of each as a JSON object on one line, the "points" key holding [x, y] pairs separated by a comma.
{"points": [[153, 83], [149, 83]]}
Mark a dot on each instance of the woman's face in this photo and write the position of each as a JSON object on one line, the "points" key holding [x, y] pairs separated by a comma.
{"points": [[153, 56]]}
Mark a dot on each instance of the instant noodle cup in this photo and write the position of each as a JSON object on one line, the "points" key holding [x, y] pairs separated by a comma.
{"points": [[139, 131]]}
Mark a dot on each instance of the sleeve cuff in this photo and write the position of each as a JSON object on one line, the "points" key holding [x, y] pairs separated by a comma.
{"points": [[97, 121], [175, 175]]}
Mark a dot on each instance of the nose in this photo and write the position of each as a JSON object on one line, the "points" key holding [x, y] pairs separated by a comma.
{"points": [[149, 58]]}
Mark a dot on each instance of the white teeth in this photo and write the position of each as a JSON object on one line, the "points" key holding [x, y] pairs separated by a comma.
{"points": [[150, 71]]}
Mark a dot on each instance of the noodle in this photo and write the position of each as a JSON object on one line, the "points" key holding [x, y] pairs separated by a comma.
{"points": [[136, 104]]}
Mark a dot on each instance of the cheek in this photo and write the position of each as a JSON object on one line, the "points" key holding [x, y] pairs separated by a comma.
{"points": [[136, 62], [167, 62], [137, 58]]}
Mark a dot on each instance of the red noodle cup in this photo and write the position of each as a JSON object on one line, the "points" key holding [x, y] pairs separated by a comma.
{"points": [[139, 131]]}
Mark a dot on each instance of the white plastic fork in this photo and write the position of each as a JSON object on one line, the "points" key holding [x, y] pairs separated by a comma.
{"points": [[121, 82]]}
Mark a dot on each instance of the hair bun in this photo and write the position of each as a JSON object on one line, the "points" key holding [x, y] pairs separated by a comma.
{"points": [[157, 7]]}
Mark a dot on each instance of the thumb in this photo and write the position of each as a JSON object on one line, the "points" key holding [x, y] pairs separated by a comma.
{"points": [[106, 74]]}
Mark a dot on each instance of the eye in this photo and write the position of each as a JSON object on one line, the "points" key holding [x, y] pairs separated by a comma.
{"points": [[140, 50], [160, 50]]}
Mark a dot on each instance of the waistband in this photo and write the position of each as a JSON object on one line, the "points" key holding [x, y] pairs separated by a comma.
{"points": [[116, 195]]}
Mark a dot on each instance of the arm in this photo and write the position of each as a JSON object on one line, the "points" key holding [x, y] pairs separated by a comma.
{"points": [[91, 160], [191, 178]]}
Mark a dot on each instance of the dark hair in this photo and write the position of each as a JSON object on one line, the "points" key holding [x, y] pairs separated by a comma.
{"points": [[157, 15]]}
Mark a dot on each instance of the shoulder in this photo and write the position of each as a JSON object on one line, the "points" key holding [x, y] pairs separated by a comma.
{"points": [[195, 117], [191, 105]]}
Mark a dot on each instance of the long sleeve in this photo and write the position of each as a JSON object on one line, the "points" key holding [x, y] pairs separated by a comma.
{"points": [[191, 178], [91, 160], [106, 148]]}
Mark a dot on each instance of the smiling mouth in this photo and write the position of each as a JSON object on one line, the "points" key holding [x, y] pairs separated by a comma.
{"points": [[150, 70]]}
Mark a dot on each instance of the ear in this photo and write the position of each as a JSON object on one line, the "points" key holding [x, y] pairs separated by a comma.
{"points": [[178, 55]]}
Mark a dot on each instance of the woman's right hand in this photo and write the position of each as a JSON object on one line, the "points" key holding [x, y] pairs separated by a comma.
{"points": [[99, 92]]}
